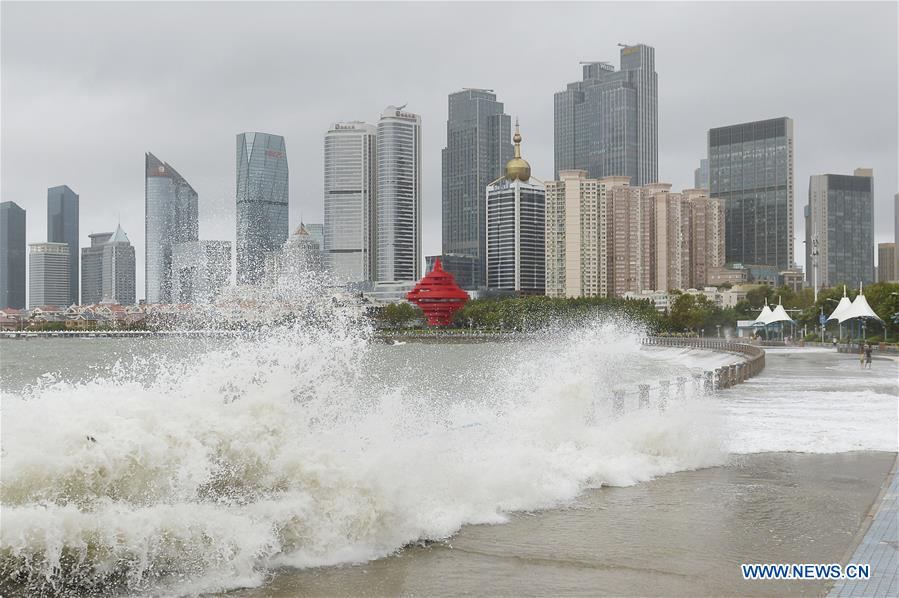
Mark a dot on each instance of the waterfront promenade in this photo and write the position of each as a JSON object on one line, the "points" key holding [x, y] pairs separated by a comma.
{"points": [[879, 547]]}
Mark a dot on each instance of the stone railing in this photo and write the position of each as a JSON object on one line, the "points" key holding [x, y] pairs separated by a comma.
{"points": [[727, 375]]}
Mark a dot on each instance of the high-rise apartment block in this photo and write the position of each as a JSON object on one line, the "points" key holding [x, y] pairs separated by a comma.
{"points": [[478, 146], [607, 124], [12, 256], [886, 262], [350, 190], [398, 214], [516, 229], [108, 269], [262, 202], [607, 238], [171, 217], [751, 171], [48, 275], [200, 270], [62, 227], [840, 224]]}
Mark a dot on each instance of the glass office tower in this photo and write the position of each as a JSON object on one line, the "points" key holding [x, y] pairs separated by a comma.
{"points": [[751, 170], [607, 124], [478, 145], [171, 217], [12, 256], [262, 202], [840, 214], [62, 227]]}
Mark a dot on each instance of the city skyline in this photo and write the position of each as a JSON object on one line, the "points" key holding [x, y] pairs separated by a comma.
{"points": [[199, 139]]}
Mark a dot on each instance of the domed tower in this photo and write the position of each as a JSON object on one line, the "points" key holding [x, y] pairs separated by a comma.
{"points": [[516, 210], [518, 168]]}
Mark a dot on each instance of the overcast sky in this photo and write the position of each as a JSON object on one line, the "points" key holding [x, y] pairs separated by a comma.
{"points": [[88, 88]]}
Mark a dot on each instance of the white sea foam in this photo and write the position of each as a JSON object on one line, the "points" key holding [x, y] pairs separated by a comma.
{"points": [[312, 446]]}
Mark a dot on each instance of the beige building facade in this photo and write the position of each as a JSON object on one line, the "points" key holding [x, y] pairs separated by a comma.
{"points": [[607, 238]]}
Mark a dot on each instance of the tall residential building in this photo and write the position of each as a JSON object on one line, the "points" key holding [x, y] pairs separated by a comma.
{"points": [[262, 202], [701, 175], [62, 227], [477, 148], [48, 275], [577, 234], [840, 222], [751, 170], [516, 229], [886, 262], [398, 216], [351, 186], [12, 256], [631, 239], [607, 124], [689, 238], [200, 270], [171, 217], [607, 238]]}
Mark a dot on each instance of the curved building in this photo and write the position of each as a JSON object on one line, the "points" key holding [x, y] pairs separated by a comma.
{"points": [[171, 217], [262, 200]]}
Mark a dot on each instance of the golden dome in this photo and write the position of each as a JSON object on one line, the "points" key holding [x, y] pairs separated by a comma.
{"points": [[517, 167]]}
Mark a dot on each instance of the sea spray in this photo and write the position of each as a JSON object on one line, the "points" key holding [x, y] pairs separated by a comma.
{"points": [[309, 444]]}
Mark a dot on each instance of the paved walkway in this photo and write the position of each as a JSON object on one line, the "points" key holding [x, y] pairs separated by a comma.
{"points": [[880, 548]]}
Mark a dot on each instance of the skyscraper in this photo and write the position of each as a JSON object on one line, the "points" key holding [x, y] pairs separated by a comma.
{"points": [[398, 217], [516, 229], [119, 285], [48, 275], [840, 217], [62, 227], [477, 148], [262, 202], [751, 170], [12, 256], [171, 217], [108, 269], [351, 175], [92, 269], [607, 124]]}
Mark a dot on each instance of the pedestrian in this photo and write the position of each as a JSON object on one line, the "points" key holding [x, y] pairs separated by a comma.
{"points": [[868, 356], [835, 344], [861, 356]]}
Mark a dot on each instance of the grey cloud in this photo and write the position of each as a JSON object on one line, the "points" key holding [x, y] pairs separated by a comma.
{"points": [[88, 88]]}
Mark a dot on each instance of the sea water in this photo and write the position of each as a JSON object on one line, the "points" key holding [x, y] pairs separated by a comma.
{"points": [[186, 466]]}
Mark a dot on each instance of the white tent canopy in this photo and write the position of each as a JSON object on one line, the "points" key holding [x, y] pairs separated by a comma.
{"points": [[779, 315], [858, 309], [842, 306], [765, 317]]}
